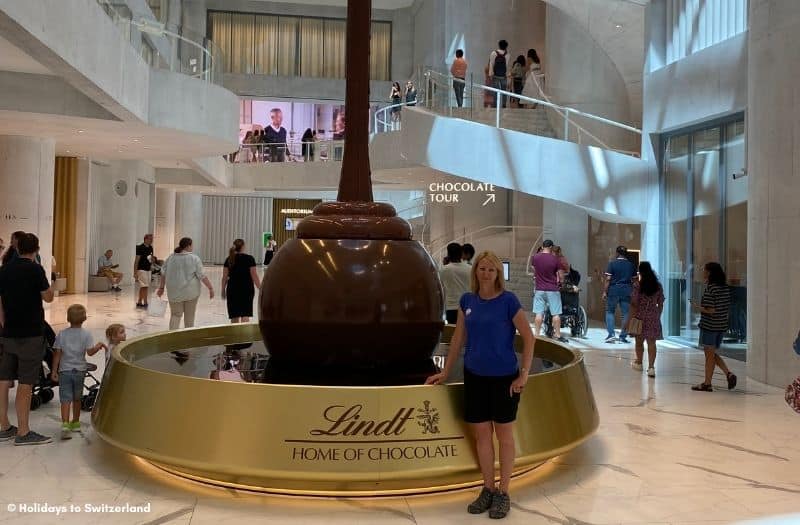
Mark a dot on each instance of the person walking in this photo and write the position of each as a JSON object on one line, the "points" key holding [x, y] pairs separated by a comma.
{"points": [[239, 281], [455, 277], [533, 66], [411, 94], [23, 287], [494, 378], [714, 310], [547, 268], [518, 78], [647, 303], [498, 67], [182, 275], [142, 266], [397, 98], [270, 245], [617, 290], [459, 71]]}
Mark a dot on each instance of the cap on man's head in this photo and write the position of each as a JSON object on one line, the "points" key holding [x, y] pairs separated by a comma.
{"points": [[547, 244]]}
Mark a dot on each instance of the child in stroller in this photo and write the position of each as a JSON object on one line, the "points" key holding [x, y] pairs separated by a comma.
{"points": [[43, 390]]}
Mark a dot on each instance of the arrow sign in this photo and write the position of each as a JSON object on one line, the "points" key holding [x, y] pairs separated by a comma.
{"points": [[491, 198]]}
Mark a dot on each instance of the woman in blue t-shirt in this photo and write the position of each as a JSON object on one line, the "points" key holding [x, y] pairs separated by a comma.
{"points": [[493, 379]]}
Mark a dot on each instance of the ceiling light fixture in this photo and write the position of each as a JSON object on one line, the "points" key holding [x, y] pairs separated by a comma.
{"points": [[81, 130], [618, 26], [136, 140]]}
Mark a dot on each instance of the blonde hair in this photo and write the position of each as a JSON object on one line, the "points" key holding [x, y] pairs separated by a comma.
{"points": [[76, 314], [499, 282], [112, 329]]}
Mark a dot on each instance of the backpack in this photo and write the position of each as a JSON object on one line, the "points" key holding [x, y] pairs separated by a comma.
{"points": [[499, 66]]}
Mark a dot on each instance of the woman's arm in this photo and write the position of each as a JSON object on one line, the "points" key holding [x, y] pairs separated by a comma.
{"points": [[254, 277], [206, 281], [521, 324], [452, 354], [224, 283]]}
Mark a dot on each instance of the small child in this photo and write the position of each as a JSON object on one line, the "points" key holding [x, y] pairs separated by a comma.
{"points": [[69, 367], [115, 333]]}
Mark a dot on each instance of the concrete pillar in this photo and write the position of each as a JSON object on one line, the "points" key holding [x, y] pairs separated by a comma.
{"points": [[189, 219], [773, 254], [83, 263], [27, 186], [164, 242]]}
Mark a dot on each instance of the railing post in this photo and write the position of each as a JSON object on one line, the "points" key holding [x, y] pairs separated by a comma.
{"points": [[498, 104], [471, 97], [450, 95], [566, 124]]}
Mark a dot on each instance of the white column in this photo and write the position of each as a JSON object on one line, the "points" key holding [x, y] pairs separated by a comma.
{"points": [[27, 187], [773, 254], [189, 219], [164, 242], [568, 226]]}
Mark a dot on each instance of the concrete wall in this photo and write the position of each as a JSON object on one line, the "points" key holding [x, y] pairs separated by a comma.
{"points": [[582, 76]]}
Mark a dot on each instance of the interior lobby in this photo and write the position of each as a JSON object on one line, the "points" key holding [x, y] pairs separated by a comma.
{"points": [[664, 126]]}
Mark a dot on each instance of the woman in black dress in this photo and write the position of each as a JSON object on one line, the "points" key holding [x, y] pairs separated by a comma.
{"points": [[239, 281]]}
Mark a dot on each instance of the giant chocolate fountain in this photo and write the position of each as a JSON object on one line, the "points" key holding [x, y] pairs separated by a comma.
{"points": [[353, 300]]}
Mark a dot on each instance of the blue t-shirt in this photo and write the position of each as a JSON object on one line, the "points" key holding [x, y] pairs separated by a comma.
{"points": [[621, 272], [490, 334]]}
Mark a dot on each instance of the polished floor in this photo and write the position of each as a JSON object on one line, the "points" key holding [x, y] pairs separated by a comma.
{"points": [[662, 454]]}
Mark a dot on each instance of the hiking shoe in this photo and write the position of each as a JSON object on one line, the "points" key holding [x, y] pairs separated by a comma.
{"points": [[9, 433], [610, 339], [637, 366], [501, 504], [32, 438], [703, 387], [482, 503], [651, 372], [731, 381], [66, 431], [75, 426]]}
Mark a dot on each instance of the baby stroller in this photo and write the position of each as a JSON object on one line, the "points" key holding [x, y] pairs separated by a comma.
{"points": [[43, 389], [88, 399], [573, 316]]}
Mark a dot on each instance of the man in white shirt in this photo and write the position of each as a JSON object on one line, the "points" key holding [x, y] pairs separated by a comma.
{"points": [[455, 277], [105, 268]]}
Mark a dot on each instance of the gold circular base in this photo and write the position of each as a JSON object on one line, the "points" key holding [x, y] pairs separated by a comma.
{"points": [[295, 439], [332, 493]]}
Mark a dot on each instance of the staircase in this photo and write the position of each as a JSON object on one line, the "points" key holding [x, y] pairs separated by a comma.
{"points": [[533, 121], [520, 282]]}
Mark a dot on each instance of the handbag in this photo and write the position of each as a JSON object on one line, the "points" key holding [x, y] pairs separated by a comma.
{"points": [[793, 395], [635, 326], [157, 307]]}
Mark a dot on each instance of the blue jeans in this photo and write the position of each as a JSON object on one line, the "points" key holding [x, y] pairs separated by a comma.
{"points": [[624, 302]]}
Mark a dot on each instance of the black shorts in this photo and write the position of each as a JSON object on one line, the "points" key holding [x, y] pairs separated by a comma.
{"points": [[487, 398], [21, 359]]}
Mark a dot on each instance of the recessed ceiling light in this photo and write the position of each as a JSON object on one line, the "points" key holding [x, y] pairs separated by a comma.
{"points": [[618, 26], [136, 140], [81, 130], [67, 151]]}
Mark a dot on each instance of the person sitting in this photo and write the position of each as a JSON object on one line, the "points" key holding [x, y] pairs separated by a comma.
{"points": [[105, 268]]}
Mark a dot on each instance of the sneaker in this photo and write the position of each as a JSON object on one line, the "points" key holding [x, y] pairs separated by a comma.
{"points": [[623, 340], [75, 426], [501, 504], [32, 438], [139, 305], [66, 431], [9, 433], [731, 381], [651, 372], [703, 387], [610, 339], [482, 503], [637, 366]]}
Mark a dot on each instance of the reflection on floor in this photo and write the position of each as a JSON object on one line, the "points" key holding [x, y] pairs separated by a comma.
{"points": [[663, 454]]}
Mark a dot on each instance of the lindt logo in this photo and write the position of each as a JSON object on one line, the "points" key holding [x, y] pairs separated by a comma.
{"points": [[349, 421]]}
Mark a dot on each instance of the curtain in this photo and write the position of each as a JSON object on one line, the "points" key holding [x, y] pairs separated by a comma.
{"points": [[380, 47], [312, 44], [65, 215], [334, 48], [242, 29], [287, 46], [266, 45], [221, 36]]}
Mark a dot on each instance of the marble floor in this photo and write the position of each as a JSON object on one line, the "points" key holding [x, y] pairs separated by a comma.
{"points": [[663, 454]]}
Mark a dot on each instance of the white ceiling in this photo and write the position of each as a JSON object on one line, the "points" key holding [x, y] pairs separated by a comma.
{"points": [[376, 4], [110, 139], [14, 59]]}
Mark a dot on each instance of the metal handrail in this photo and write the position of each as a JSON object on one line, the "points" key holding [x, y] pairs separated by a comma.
{"points": [[333, 150], [438, 252], [393, 126]]}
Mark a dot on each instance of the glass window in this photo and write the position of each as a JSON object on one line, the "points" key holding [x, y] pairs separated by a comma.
{"points": [[676, 188]]}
